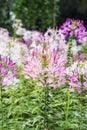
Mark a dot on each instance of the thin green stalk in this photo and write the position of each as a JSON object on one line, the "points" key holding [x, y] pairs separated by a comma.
{"points": [[81, 121], [69, 53], [68, 103], [46, 101], [67, 109]]}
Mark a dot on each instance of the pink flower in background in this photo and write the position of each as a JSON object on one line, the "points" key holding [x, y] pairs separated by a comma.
{"points": [[55, 40], [33, 39], [51, 39], [27, 37]]}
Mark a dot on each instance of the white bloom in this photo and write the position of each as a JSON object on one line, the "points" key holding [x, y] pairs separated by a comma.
{"points": [[3, 49], [20, 31], [70, 69], [17, 52]]}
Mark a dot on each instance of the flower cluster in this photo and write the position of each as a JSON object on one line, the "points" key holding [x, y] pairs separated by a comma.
{"points": [[18, 27], [47, 58], [51, 39], [7, 71], [46, 67], [17, 51], [55, 40], [77, 75], [33, 39], [73, 28], [11, 47]]}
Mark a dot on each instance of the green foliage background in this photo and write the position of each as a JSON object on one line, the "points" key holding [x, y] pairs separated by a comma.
{"points": [[35, 14], [41, 14]]}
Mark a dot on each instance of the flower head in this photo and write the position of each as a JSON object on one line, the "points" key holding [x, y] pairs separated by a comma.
{"points": [[45, 66], [77, 75], [73, 28], [54, 40], [7, 71]]}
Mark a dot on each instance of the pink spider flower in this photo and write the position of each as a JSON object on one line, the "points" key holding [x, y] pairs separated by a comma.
{"points": [[46, 66]]}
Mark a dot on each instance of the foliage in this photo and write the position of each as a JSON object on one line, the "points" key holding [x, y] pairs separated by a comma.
{"points": [[24, 108], [35, 14]]}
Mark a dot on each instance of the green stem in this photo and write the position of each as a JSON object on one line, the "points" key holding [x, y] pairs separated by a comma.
{"points": [[81, 121], [46, 100], [67, 108], [69, 53]]}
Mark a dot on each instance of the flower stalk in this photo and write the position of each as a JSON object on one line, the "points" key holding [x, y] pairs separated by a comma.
{"points": [[69, 53], [46, 108], [67, 109]]}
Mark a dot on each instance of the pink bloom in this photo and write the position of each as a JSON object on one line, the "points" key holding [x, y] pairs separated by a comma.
{"points": [[79, 90], [33, 39], [85, 83], [47, 64], [27, 37], [33, 67], [55, 40]]}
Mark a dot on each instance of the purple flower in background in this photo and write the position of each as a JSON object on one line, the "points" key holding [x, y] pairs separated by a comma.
{"points": [[77, 76], [7, 71], [73, 28], [74, 82]]}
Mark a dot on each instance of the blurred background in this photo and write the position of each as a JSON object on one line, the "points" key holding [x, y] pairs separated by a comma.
{"points": [[41, 14]]}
